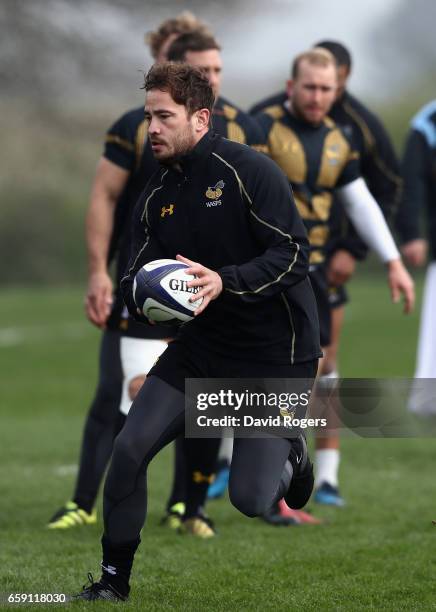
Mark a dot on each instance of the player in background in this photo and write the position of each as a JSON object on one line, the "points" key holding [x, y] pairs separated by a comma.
{"points": [[204, 52], [199, 456], [379, 168], [318, 157], [127, 349], [419, 201]]}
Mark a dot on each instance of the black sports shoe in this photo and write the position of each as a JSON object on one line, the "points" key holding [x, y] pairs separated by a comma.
{"points": [[302, 482], [99, 590]]}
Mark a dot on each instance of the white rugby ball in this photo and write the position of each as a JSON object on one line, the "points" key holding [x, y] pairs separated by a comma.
{"points": [[161, 292]]}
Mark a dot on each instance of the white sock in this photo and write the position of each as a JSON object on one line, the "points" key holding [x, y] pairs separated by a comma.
{"points": [[332, 374], [327, 466], [226, 448]]}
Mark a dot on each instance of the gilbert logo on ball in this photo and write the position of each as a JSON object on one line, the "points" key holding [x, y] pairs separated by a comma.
{"points": [[161, 291]]}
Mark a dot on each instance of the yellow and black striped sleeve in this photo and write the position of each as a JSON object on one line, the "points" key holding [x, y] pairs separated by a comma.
{"points": [[242, 128], [121, 142]]}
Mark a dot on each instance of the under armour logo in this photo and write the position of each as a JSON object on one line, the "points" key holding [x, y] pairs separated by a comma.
{"points": [[167, 211], [110, 569]]}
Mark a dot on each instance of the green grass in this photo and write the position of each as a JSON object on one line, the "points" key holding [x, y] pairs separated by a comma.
{"points": [[377, 553]]}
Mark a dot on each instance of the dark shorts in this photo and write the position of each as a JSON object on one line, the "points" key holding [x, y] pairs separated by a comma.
{"points": [[338, 296], [180, 361], [120, 321], [321, 291]]}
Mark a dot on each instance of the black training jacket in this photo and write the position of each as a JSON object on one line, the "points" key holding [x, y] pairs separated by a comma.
{"points": [[127, 146], [231, 209]]}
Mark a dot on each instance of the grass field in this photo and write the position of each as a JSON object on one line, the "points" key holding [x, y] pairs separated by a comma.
{"points": [[377, 553]]}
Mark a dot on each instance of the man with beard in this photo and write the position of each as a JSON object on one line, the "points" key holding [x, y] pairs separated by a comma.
{"points": [[318, 157], [196, 459], [379, 168], [253, 280]]}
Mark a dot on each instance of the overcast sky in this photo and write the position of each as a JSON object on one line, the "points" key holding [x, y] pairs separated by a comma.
{"points": [[93, 51], [259, 42]]}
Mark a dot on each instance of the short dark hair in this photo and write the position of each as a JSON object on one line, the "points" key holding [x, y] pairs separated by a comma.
{"points": [[186, 85], [193, 41], [341, 53]]}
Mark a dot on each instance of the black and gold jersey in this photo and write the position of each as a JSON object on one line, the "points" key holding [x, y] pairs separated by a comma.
{"points": [[231, 122], [378, 163], [127, 146], [316, 160]]}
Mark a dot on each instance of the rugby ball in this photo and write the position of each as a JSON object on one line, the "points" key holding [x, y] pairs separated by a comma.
{"points": [[161, 292]]}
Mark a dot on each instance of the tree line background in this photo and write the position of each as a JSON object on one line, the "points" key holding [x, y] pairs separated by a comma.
{"points": [[69, 69]]}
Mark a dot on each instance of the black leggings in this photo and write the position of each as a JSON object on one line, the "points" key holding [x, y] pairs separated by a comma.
{"points": [[195, 462], [155, 419], [102, 424]]}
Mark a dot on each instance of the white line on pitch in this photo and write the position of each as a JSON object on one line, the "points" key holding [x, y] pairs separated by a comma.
{"points": [[14, 336], [66, 470]]}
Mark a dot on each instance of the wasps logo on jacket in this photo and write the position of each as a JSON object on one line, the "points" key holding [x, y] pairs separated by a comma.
{"points": [[213, 193]]}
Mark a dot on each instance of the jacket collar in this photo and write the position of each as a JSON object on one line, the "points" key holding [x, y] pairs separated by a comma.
{"points": [[198, 155]]}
